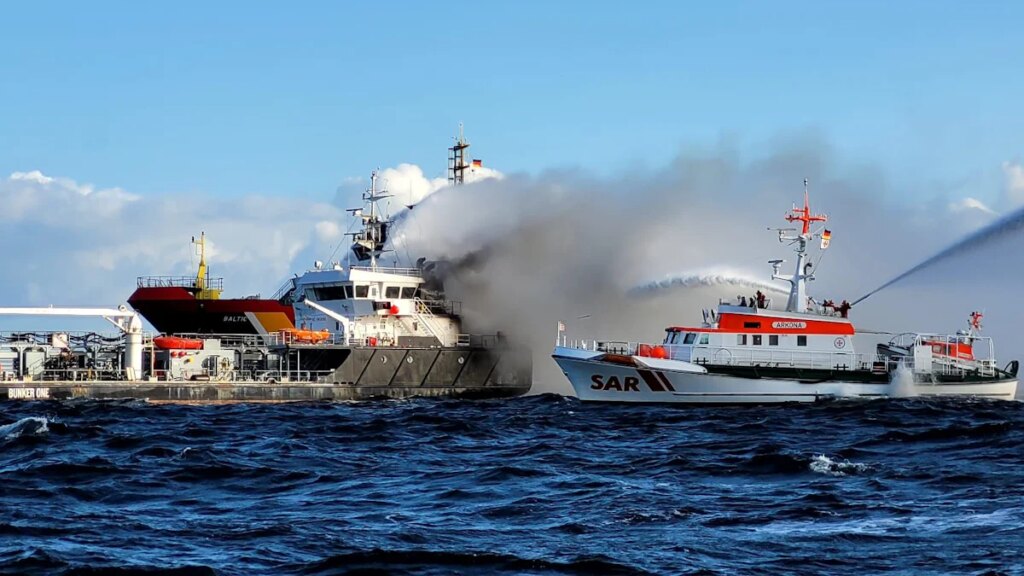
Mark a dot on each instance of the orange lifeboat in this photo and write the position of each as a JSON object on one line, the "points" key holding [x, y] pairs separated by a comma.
{"points": [[959, 349], [648, 351], [307, 336], [177, 343]]}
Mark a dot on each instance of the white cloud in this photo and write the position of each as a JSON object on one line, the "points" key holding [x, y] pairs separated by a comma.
{"points": [[409, 185], [1013, 173], [971, 205], [33, 176], [328, 231], [82, 244]]}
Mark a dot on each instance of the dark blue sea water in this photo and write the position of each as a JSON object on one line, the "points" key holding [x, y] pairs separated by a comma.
{"points": [[537, 485]]}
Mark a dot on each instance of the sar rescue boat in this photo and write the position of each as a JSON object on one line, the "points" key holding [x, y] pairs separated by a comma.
{"points": [[755, 352]]}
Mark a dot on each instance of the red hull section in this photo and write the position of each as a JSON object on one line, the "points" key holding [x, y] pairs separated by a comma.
{"points": [[175, 310]]}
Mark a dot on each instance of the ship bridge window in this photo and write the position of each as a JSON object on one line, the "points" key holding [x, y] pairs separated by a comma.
{"points": [[754, 325], [392, 292], [408, 292], [689, 338], [348, 291], [362, 290], [329, 293], [704, 338]]}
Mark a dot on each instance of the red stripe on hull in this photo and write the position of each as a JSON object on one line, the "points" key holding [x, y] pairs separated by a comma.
{"points": [[175, 310]]}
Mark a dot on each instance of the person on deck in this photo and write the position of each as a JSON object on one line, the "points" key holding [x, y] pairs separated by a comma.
{"points": [[844, 309], [760, 299], [743, 301]]}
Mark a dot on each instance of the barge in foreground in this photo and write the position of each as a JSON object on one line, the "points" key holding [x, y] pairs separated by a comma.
{"points": [[252, 368]]}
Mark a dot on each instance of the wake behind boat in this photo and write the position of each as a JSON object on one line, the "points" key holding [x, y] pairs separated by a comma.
{"points": [[751, 352]]}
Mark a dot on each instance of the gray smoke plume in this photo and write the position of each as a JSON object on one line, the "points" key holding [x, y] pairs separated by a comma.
{"points": [[569, 246]]}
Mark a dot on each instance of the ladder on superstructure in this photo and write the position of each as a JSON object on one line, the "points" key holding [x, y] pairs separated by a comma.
{"points": [[423, 315]]}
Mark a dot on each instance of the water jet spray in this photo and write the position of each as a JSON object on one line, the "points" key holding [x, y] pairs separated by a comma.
{"points": [[998, 229]]}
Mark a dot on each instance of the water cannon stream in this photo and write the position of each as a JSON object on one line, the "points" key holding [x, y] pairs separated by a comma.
{"points": [[998, 229]]}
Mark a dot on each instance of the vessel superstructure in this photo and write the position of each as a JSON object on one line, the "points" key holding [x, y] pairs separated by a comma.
{"points": [[803, 350], [194, 304]]}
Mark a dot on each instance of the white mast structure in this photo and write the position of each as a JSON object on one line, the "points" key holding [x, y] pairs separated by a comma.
{"points": [[373, 235], [798, 292]]}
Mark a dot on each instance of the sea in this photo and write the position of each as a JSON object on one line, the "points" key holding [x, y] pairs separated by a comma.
{"points": [[534, 485]]}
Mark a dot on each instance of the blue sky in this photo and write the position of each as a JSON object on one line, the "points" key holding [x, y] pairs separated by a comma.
{"points": [[234, 98]]}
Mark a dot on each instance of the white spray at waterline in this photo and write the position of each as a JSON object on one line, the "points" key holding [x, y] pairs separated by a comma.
{"points": [[901, 382]]}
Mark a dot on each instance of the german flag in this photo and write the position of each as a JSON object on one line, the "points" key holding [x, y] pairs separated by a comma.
{"points": [[826, 237]]}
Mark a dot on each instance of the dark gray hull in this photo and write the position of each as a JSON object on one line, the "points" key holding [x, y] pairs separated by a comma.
{"points": [[307, 373]]}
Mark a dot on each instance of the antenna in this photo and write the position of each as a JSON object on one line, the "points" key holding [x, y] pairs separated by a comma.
{"points": [[457, 160]]}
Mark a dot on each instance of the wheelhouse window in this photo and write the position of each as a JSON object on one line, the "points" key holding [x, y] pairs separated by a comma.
{"points": [[362, 290], [392, 292], [757, 339], [741, 339], [689, 338], [773, 339], [348, 291], [801, 340], [704, 339], [329, 292], [408, 292], [753, 325]]}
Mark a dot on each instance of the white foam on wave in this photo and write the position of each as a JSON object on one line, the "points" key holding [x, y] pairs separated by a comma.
{"points": [[33, 426], [700, 278], [824, 465]]}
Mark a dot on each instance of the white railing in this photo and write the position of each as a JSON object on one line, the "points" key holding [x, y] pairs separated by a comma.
{"points": [[391, 270]]}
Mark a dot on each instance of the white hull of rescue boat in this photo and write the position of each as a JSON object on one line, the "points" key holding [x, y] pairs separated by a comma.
{"points": [[674, 382]]}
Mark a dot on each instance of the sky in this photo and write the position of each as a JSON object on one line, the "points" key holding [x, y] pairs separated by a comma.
{"points": [[127, 127], [234, 98]]}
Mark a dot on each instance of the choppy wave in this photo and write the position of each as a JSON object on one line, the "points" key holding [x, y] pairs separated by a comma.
{"points": [[538, 485], [29, 426]]}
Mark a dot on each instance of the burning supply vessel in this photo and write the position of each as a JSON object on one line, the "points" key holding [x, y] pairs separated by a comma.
{"points": [[360, 331]]}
